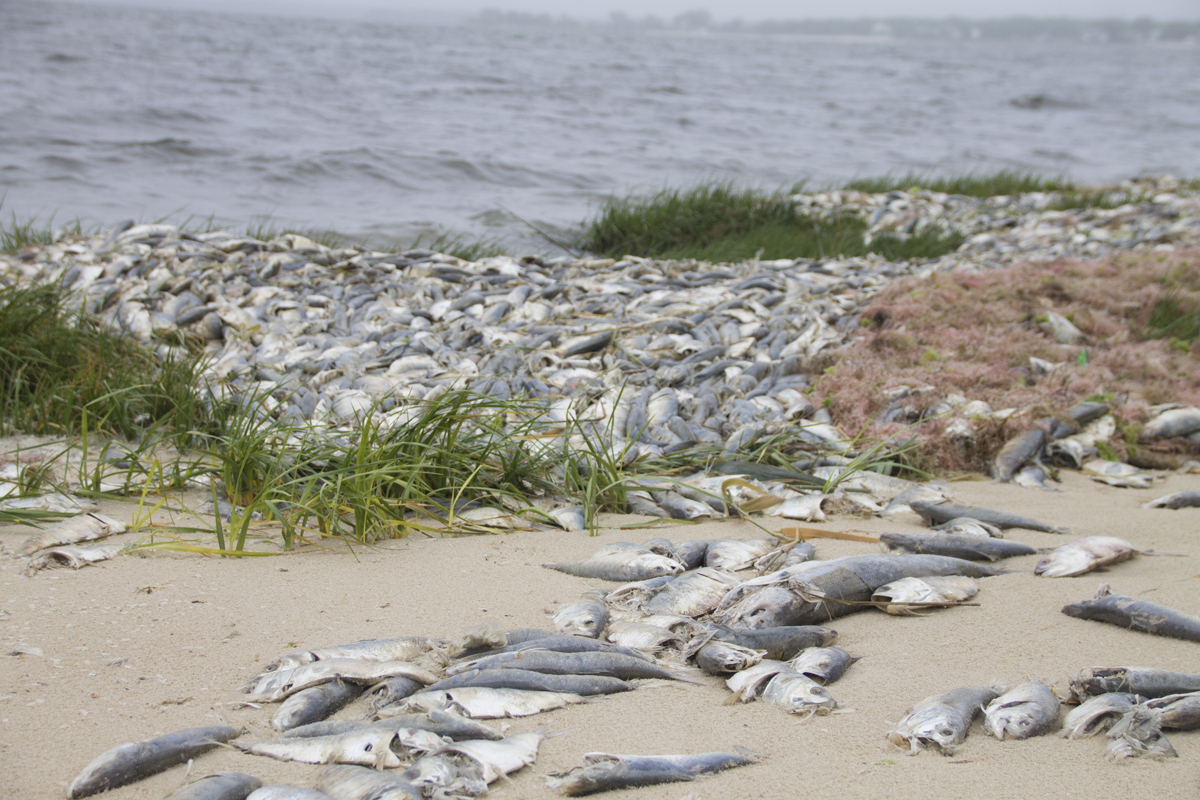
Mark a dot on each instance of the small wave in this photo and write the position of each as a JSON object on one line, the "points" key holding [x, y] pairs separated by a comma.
{"points": [[63, 58], [172, 147], [1034, 102], [665, 90]]}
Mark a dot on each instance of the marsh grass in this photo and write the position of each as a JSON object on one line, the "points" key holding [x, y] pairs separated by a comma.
{"points": [[719, 223], [969, 184], [16, 236], [459, 245], [268, 231]]}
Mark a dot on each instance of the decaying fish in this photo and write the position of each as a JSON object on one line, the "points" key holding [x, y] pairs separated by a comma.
{"points": [[900, 509], [272, 686], [640, 636], [1016, 452], [969, 526], [942, 720], [314, 704], [618, 665], [586, 685], [1136, 615], [73, 556], [1171, 423], [402, 648], [787, 556], [1030, 709], [1098, 714], [627, 564], [937, 513], [221, 786], [603, 772], [1179, 712], [586, 617], [282, 792], [735, 554], [477, 762], [346, 782], [1189, 498], [693, 593], [798, 693], [84, 528], [803, 507], [749, 683], [907, 596], [1084, 555], [1115, 473], [367, 746], [1139, 734], [54, 502], [392, 690], [972, 548], [485, 637], [1142, 681], [721, 658], [825, 665], [133, 761], [484, 703], [779, 643]]}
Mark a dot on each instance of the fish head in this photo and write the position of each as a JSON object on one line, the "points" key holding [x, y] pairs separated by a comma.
{"points": [[765, 608], [1063, 562], [1016, 722], [938, 726], [652, 565], [803, 694]]}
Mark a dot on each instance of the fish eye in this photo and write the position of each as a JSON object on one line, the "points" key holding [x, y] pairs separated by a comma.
{"points": [[946, 732]]}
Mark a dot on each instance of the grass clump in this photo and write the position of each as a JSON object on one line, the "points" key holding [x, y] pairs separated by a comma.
{"points": [[718, 223], [16, 236], [970, 184], [459, 246]]}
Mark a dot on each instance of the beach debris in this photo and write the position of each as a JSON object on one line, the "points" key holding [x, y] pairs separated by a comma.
{"points": [[1084, 555], [1029, 709], [55, 502], [942, 721], [1136, 615], [73, 556], [1116, 473], [127, 763], [87, 527], [603, 772]]}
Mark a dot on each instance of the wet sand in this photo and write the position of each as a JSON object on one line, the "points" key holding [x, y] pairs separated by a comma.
{"points": [[141, 646]]}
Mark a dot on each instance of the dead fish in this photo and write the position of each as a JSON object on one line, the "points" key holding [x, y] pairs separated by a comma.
{"points": [[905, 596], [617, 665], [640, 636], [221, 786], [480, 637], [1189, 498], [825, 665], [586, 685], [346, 782], [784, 557], [798, 693], [1114, 473], [1179, 712], [621, 565], [73, 556], [942, 720], [1136, 615], [1084, 555], [721, 658], [486, 761], [946, 511], [1172, 423], [485, 703], [779, 643], [131, 762], [807, 508], [85, 528], [54, 502], [733, 554], [366, 746], [586, 617], [1139, 734], [276, 685], [900, 508], [1143, 681], [748, 683], [570, 519], [602, 772], [1030, 709], [1098, 714], [1034, 476], [692, 552], [969, 526], [402, 648], [451, 726], [971, 548], [1016, 452], [280, 792], [392, 690], [560, 643], [693, 593], [314, 704]]}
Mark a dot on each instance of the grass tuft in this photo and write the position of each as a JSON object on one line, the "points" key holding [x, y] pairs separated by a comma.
{"points": [[970, 184]]}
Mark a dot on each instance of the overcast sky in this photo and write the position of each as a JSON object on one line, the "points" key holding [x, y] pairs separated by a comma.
{"points": [[745, 9]]}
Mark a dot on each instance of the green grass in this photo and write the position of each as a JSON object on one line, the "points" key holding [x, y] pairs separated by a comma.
{"points": [[969, 184], [458, 245], [1175, 316], [16, 236], [719, 223]]}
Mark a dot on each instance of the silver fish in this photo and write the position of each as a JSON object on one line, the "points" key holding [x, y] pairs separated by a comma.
{"points": [[1098, 714], [1178, 711], [392, 690], [281, 792], [1189, 498], [720, 658], [603, 772], [272, 686], [969, 526], [346, 782], [366, 746], [586, 685], [972, 548], [942, 720], [797, 693], [618, 665], [1139, 734], [1143, 681], [1115, 473], [403, 648], [221, 786], [73, 556], [825, 665], [906, 596], [748, 683], [85, 528], [939, 512], [1030, 709], [734, 554], [485, 703], [586, 617], [131, 762], [640, 635], [1136, 615], [693, 593], [1084, 555], [314, 704], [1172, 423], [621, 565]]}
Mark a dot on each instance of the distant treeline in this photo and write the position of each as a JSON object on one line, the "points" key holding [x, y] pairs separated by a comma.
{"points": [[1095, 30]]}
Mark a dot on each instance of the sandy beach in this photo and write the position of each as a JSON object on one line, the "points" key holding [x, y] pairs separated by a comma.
{"points": [[141, 646]]}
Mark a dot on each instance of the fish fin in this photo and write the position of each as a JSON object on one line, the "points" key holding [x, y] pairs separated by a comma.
{"points": [[748, 753], [732, 700], [1103, 591]]}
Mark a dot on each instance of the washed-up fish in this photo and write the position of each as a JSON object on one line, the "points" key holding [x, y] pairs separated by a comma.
{"points": [[784, 557], [276, 685], [825, 665], [1098, 714], [939, 512], [692, 552], [733, 554], [693, 593], [779, 643], [806, 508], [900, 508], [1171, 423], [618, 665], [798, 693], [221, 786], [1084, 555], [73, 556], [640, 636], [1034, 476], [559, 643], [603, 772], [1179, 712], [1115, 473], [634, 564], [1188, 498], [131, 762], [1142, 681], [281, 792], [842, 586], [972, 548], [721, 658], [1136, 615], [569, 519], [1016, 452], [392, 690], [749, 683], [479, 762], [907, 596], [314, 704], [586, 685], [942, 720], [346, 782], [969, 526], [482, 637], [586, 617], [86, 528], [485, 703], [403, 648], [1139, 734], [1029, 709], [366, 746], [451, 726], [54, 502]]}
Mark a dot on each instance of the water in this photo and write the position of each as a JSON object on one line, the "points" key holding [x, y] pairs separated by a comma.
{"points": [[380, 131]]}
